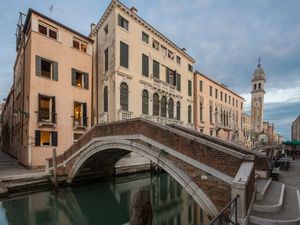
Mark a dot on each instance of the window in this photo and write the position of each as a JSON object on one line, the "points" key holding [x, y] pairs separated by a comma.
{"points": [[46, 111], [145, 102], [241, 106], [106, 60], [106, 29], [124, 54], [201, 112], [123, 22], [76, 136], [170, 76], [46, 68], [155, 104], [225, 98], [80, 45], [190, 114], [216, 93], [156, 69], [171, 54], [190, 88], [171, 108], [124, 96], [178, 109], [164, 50], [145, 37], [80, 114], [221, 96], [233, 101], [201, 86], [145, 65], [211, 115], [259, 85], [178, 82], [48, 30], [80, 79], [155, 45], [229, 99], [190, 67], [178, 59], [45, 138], [163, 106], [211, 132], [236, 103], [210, 90], [254, 86], [105, 99]]}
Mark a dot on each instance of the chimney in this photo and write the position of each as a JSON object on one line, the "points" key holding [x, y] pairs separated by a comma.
{"points": [[183, 49], [92, 26], [134, 10]]}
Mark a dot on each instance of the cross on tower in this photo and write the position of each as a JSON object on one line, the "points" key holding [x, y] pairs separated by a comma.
{"points": [[259, 59]]}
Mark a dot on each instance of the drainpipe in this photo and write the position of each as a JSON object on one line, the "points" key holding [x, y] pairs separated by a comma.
{"points": [[97, 77]]}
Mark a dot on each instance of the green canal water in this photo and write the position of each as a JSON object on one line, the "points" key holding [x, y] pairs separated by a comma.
{"points": [[104, 203]]}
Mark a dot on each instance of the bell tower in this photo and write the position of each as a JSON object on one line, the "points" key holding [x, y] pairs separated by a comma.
{"points": [[257, 99]]}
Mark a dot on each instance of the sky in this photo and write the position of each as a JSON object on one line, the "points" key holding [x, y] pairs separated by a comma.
{"points": [[225, 37]]}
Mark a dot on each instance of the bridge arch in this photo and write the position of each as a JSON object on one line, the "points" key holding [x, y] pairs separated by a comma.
{"points": [[154, 154]]}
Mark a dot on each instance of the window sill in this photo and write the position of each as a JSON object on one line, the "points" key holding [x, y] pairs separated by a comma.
{"points": [[43, 35], [46, 78], [80, 88], [77, 50]]}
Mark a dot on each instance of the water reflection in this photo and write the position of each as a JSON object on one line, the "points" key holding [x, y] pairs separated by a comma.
{"points": [[106, 203]]}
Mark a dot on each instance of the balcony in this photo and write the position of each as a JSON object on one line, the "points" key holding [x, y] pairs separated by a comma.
{"points": [[161, 85], [124, 114], [80, 123], [104, 118], [162, 120], [46, 118]]}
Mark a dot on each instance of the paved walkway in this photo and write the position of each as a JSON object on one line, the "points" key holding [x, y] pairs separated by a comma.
{"points": [[10, 167], [292, 176]]}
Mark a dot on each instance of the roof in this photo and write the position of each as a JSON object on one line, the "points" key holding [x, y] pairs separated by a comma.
{"points": [[29, 13], [116, 3], [219, 84]]}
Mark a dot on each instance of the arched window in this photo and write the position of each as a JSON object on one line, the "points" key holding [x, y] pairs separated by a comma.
{"points": [[190, 114], [105, 99], [124, 96], [178, 106], [145, 102], [163, 106], [171, 108], [155, 104]]}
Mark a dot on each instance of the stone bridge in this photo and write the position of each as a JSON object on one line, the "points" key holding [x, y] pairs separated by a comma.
{"points": [[211, 171]]}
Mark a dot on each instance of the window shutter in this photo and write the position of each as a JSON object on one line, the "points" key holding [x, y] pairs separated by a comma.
{"points": [[86, 81], [178, 81], [167, 74], [174, 80], [38, 65], [84, 114], [124, 54], [55, 70], [39, 109], [105, 96], [53, 110], [73, 77], [37, 138], [145, 65], [54, 138]]}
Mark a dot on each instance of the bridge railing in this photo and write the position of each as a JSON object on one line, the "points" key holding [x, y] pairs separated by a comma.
{"points": [[228, 215]]}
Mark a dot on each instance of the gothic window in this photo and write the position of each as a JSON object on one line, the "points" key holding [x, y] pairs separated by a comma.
{"points": [[254, 86], [145, 102], [163, 106], [190, 114], [155, 104], [178, 108], [171, 108], [124, 96], [105, 99]]}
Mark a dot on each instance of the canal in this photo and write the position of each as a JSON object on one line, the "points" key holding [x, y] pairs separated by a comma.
{"points": [[104, 203]]}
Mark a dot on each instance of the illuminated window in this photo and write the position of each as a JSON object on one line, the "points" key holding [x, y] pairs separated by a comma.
{"points": [[80, 114], [45, 138], [80, 79]]}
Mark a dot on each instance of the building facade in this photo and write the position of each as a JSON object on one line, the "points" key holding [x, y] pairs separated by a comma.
{"points": [[296, 129], [218, 111], [257, 101], [247, 131], [51, 95], [138, 72]]}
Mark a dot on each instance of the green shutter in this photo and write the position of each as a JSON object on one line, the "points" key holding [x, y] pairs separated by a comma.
{"points": [[175, 76], [145, 65], [190, 88], [86, 81], [38, 65], [73, 77], [55, 70], [156, 69], [178, 82], [84, 114], [123, 54], [37, 138], [167, 74], [53, 138], [53, 110]]}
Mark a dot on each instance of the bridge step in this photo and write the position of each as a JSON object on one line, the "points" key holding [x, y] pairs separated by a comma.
{"points": [[261, 187], [288, 215], [272, 199]]}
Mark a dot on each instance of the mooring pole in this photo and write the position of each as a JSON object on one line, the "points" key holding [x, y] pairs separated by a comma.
{"points": [[54, 168]]}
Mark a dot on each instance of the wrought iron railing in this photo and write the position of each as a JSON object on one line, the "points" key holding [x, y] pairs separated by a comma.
{"points": [[228, 215], [45, 116]]}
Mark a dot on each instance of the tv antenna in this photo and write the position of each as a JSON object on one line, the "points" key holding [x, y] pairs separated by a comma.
{"points": [[51, 9]]}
